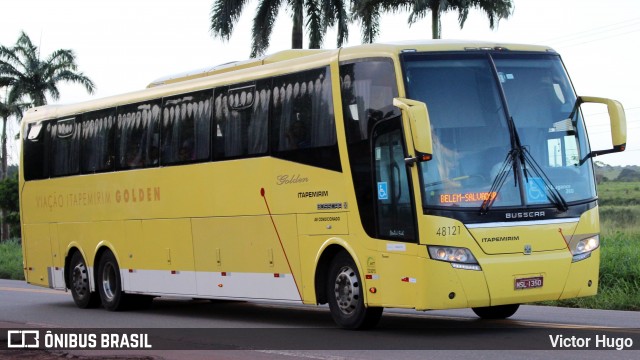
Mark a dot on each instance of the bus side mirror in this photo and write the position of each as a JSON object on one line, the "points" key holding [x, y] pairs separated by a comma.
{"points": [[417, 127], [618, 122]]}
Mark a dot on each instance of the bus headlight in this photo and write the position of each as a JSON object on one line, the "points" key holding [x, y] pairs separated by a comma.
{"points": [[583, 248], [460, 258]]}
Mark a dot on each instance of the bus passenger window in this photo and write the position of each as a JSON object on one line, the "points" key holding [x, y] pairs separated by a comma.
{"points": [[35, 165], [98, 151], [241, 119], [138, 133], [186, 128], [65, 141], [303, 127]]}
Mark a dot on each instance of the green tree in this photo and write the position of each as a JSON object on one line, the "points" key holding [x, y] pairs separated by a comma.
{"points": [[10, 206], [320, 15], [27, 75], [368, 12], [7, 110]]}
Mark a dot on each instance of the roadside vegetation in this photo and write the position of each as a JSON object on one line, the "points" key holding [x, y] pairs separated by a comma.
{"points": [[11, 260]]}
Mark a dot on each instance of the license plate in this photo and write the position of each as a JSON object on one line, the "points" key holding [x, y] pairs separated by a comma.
{"points": [[529, 283]]}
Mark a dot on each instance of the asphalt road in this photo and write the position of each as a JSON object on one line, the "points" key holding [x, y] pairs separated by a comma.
{"points": [[198, 329]]}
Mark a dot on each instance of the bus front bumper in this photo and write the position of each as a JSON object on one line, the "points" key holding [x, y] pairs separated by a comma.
{"points": [[508, 279]]}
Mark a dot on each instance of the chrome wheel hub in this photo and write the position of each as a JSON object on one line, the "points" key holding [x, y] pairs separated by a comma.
{"points": [[347, 290], [109, 283], [80, 280]]}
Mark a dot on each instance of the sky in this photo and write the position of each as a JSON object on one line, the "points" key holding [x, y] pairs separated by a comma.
{"points": [[123, 45]]}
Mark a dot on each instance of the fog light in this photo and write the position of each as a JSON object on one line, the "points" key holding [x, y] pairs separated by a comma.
{"points": [[466, 266], [581, 257]]}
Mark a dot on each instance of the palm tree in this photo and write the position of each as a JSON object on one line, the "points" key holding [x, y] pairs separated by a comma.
{"points": [[26, 76], [368, 12], [320, 15], [7, 110], [22, 70]]}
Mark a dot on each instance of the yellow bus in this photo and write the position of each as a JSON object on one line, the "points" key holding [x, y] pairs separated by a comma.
{"points": [[428, 175]]}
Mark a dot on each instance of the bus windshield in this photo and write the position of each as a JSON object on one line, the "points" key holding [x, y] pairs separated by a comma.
{"points": [[489, 111]]}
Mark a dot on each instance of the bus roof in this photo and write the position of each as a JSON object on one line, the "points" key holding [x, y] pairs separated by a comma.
{"points": [[178, 83], [394, 47], [233, 66]]}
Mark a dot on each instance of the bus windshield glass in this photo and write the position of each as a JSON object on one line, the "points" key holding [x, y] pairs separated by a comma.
{"points": [[486, 107]]}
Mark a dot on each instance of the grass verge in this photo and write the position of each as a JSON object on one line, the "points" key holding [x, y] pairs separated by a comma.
{"points": [[11, 260]]}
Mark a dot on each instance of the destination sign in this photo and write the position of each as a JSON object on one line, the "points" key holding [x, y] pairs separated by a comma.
{"points": [[456, 198]]}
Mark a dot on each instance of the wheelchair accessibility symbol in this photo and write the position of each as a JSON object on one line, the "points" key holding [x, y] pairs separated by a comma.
{"points": [[535, 191], [383, 194]]}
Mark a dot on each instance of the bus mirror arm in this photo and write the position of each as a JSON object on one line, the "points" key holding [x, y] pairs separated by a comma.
{"points": [[417, 129], [418, 158], [618, 123]]}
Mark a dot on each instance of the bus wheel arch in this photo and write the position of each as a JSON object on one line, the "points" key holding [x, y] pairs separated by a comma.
{"points": [[336, 273], [322, 269]]}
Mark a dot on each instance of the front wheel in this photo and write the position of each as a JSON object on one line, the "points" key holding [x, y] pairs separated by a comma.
{"points": [[346, 296], [496, 312], [79, 283]]}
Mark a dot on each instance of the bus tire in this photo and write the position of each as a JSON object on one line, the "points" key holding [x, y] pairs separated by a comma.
{"points": [[79, 283], [346, 295], [109, 283], [496, 312]]}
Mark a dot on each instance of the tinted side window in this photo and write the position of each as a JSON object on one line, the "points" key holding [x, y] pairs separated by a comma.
{"points": [[138, 137], [64, 151], [97, 141], [186, 127], [34, 156], [303, 126], [241, 119], [368, 88]]}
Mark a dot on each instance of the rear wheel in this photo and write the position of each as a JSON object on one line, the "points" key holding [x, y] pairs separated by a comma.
{"points": [[79, 283], [346, 296], [496, 312], [109, 286], [109, 283]]}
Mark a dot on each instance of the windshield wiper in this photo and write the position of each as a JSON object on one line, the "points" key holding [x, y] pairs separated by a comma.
{"points": [[500, 179], [514, 157], [520, 155]]}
